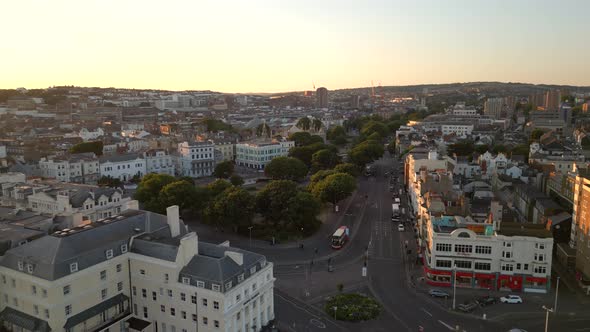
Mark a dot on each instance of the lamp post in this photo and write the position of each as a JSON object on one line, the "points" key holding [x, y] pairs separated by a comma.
{"points": [[556, 293], [454, 284], [547, 311], [335, 308], [250, 230]]}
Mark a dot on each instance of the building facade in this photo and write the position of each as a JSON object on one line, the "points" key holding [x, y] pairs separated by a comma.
{"points": [[321, 96], [76, 168], [137, 271], [196, 159], [159, 161], [123, 167], [258, 154]]}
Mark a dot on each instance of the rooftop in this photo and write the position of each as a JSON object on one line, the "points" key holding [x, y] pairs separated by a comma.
{"points": [[524, 229]]}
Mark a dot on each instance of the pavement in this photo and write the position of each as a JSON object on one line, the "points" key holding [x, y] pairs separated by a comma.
{"points": [[303, 281]]}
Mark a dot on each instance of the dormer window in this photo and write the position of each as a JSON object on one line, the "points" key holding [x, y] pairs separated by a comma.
{"points": [[73, 267], [186, 281], [124, 248], [253, 269], [30, 268], [216, 287], [201, 284], [240, 278], [20, 265], [109, 253]]}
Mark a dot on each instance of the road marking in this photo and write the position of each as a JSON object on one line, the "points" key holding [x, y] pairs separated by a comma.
{"points": [[447, 325], [429, 314]]}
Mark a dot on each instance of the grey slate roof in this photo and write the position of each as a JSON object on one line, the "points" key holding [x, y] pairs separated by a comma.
{"points": [[212, 266], [51, 255], [23, 320]]}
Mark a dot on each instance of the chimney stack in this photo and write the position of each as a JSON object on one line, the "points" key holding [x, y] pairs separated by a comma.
{"points": [[173, 219]]}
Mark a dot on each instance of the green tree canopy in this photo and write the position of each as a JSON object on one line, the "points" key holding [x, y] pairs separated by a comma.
{"points": [[374, 127], [224, 169], [481, 149], [109, 181], [304, 138], [286, 168], [272, 201], [366, 152], [462, 148], [304, 123], [316, 124], [537, 133], [334, 188], [215, 125], [181, 193], [236, 180], [336, 132], [218, 186], [324, 159], [234, 207], [348, 168], [94, 147], [149, 188], [303, 211]]}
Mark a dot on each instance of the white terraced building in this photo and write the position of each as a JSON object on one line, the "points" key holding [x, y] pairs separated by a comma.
{"points": [[137, 271], [258, 154]]}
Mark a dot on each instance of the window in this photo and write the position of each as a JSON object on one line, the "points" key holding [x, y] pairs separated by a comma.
{"points": [[526, 267], [539, 257], [201, 284], [145, 312], [36, 309], [205, 321], [119, 286], [443, 263], [463, 264], [228, 285], [216, 323], [507, 267], [216, 287], [162, 308], [44, 292], [163, 327], [253, 287], [47, 313], [34, 290], [103, 294], [154, 296], [109, 253], [193, 299], [194, 317], [167, 278], [170, 293], [172, 312], [508, 244], [240, 278], [30, 268], [463, 248], [124, 248], [487, 250], [66, 290], [204, 302], [183, 296], [540, 269], [103, 275], [507, 254], [142, 272], [134, 291], [443, 247], [238, 315], [253, 269], [187, 281], [73, 267], [143, 293], [183, 314], [68, 309], [20, 265]]}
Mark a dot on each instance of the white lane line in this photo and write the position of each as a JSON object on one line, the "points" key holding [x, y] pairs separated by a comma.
{"points": [[429, 314], [447, 325]]}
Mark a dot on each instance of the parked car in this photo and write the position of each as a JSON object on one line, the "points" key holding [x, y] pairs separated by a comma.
{"points": [[486, 300], [468, 307], [511, 299], [395, 218], [401, 228], [438, 293]]}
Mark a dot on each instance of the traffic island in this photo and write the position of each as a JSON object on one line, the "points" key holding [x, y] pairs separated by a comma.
{"points": [[352, 307]]}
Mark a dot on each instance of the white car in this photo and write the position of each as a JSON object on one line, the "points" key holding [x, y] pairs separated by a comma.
{"points": [[400, 227], [511, 299]]}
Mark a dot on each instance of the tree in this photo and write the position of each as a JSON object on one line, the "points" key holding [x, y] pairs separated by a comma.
{"points": [[374, 127], [236, 180], [149, 188], [586, 142], [334, 188], [303, 211], [234, 207], [375, 137], [324, 159], [319, 176], [218, 186], [347, 168], [215, 125], [94, 147], [499, 148], [316, 124], [462, 148], [179, 193], [537, 133], [391, 147], [109, 181], [286, 168], [481, 149], [224, 169], [272, 201], [304, 123], [304, 138], [366, 152], [335, 132]]}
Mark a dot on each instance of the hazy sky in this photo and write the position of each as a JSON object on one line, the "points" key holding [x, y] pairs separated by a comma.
{"points": [[282, 45]]}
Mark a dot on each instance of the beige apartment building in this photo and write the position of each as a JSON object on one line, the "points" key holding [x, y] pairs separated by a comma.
{"points": [[137, 271]]}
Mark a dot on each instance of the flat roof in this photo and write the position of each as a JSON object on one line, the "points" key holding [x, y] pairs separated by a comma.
{"points": [[523, 229]]}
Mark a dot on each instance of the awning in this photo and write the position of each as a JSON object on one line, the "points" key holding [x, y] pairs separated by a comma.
{"points": [[536, 279], [23, 320], [484, 276], [94, 311]]}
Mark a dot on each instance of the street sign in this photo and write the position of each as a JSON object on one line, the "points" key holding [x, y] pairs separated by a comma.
{"points": [[364, 271]]}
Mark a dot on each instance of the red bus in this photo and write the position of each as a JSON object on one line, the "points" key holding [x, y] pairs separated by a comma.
{"points": [[340, 237]]}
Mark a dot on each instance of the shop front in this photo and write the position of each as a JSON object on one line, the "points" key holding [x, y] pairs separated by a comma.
{"points": [[535, 285], [464, 279], [509, 283], [437, 278], [484, 281]]}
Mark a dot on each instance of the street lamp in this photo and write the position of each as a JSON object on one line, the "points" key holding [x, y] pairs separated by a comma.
{"points": [[335, 308], [250, 230], [547, 311], [556, 293], [454, 284]]}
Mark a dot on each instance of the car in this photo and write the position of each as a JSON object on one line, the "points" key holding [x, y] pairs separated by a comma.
{"points": [[511, 299], [486, 300], [438, 293], [467, 307], [395, 218], [400, 227]]}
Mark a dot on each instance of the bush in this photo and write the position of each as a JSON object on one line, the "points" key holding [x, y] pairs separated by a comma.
{"points": [[352, 307]]}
